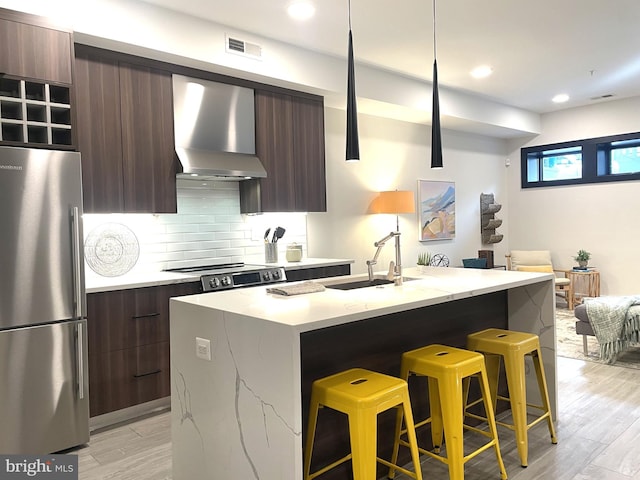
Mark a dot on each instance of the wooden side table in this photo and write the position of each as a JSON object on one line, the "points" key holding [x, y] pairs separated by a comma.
{"points": [[585, 283]]}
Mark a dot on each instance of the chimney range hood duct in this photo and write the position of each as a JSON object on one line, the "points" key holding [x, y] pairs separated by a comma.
{"points": [[214, 127]]}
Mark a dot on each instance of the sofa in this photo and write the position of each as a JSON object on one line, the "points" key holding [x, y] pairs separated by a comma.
{"points": [[628, 316], [583, 326]]}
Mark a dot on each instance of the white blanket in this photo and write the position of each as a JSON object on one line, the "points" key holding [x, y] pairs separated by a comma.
{"points": [[614, 325]]}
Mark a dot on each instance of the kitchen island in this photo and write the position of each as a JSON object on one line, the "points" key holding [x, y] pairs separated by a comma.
{"points": [[242, 413]]}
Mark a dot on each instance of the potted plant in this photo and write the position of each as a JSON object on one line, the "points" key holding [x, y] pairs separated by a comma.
{"points": [[424, 259], [582, 258]]}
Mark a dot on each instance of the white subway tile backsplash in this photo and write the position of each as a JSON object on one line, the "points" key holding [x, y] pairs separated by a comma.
{"points": [[208, 229], [213, 227], [229, 235]]}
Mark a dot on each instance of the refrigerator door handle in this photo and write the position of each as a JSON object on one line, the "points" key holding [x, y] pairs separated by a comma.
{"points": [[80, 359], [77, 262]]}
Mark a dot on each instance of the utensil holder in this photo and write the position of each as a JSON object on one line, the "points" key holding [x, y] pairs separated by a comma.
{"points": [[271, 252]]}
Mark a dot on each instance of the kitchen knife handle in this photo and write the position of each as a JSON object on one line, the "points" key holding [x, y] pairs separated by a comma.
{"points": [[77, 262], [80, 359]]}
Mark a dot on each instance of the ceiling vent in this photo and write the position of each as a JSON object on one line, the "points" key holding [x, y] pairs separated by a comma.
{"points": [[602, 97], [240, 47]]}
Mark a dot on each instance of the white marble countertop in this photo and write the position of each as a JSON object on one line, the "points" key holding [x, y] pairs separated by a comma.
{"points": [[95, 283], [312, 311]]}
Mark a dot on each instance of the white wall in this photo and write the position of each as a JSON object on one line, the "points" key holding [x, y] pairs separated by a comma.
{"points": [[603, 219], [394, 155]]}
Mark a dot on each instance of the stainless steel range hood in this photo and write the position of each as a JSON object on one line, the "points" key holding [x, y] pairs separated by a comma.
{"points": [[215, 130]]}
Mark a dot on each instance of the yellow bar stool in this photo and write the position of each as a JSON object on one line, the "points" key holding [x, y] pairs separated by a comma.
{"points": [[362, 395], [512, 347], [447, 368]]}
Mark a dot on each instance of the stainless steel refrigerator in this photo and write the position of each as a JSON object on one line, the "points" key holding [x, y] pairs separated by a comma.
{"points": [[44, 398]]}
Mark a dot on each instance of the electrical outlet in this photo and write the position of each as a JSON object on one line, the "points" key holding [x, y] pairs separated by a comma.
{"points": [[203, 348]]}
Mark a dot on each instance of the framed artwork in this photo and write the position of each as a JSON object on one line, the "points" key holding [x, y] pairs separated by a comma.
{"points": [[436, 210]]}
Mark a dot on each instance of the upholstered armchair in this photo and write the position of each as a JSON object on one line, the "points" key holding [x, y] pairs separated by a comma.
{"points": [[540, 261]]}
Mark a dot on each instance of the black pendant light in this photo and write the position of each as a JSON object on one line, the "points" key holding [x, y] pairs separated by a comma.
{"points": [[436, 136], [353, 146]]}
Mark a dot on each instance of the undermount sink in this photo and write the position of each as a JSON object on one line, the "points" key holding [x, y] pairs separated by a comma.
{"points": [[364, 283]]}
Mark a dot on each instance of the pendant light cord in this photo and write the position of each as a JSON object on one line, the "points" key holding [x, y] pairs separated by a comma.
{"points": [[349, 15], [434, 28]]}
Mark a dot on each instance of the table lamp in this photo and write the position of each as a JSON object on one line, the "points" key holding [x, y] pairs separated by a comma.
{"points": [[397, 201]]}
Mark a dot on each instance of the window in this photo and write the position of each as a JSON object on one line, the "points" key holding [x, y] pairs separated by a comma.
{"points": [[556, 164], [617, 158], [605, 159]]}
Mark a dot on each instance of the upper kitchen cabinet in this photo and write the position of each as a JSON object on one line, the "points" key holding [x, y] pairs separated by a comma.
{"points": [[125, 135], [31, 48], [290, 144], [36, 72], [148, 146]]}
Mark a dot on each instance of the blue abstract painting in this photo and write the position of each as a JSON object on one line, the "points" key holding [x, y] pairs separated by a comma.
{"points": [[437, 215]]}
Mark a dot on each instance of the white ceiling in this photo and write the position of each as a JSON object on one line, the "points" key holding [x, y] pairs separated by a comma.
{"points": [[585, 48]]}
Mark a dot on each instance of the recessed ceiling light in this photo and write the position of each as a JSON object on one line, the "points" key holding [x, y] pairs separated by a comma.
{"points": [[560, 98], [301, 10], [482, 71]]}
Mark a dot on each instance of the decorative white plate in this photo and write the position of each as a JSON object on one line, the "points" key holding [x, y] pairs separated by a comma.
{"points": [[111, 249]]}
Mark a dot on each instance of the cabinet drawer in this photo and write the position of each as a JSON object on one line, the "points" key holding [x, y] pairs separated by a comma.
{"points": [[127, 318], [131, 318], [128, 377]]}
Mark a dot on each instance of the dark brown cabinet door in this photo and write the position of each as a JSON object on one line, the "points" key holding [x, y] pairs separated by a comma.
{"points": [[99, 133], [128, 334], [290, 144], [148, 147], [125, 135], [274, 147], [308, 154], [32, 51]]}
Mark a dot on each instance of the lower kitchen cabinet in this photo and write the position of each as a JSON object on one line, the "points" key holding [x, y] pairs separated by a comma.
{"points": [[317, 272], [128, 377], [128, 334]]}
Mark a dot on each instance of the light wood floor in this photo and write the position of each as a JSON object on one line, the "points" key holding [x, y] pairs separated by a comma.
{"points": [[598, 437]]}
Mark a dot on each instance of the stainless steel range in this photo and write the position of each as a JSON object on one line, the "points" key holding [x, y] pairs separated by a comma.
{"points": [[215, 278]]}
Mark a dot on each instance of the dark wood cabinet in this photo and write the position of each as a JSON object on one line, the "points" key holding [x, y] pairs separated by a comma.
{"points": [[125, 135], [290, 144], [274, 147], [36, 76], [148, 146], [317, 272], [31, 48], [128, 334], [99, 133], [308, 153]]}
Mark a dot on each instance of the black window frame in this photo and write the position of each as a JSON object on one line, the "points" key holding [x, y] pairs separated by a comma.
{"points": [[596, 161]]}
